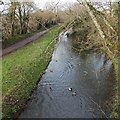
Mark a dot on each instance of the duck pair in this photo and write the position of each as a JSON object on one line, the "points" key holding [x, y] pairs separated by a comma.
{"points": [[74, 93]]}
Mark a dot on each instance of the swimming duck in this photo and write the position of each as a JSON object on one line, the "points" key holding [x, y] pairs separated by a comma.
{"points": [[74, 93], [50, 88], [70, 89]]}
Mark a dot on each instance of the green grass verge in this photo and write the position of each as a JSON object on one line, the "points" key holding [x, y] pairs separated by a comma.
{"points": [[116, 106], [22, 70]]}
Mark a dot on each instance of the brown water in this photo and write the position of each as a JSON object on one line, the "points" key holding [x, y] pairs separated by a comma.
{"points": [[89, 74]]}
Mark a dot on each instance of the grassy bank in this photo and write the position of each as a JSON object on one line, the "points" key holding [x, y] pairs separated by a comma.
{"points": [[22, 70], [116, 108]]}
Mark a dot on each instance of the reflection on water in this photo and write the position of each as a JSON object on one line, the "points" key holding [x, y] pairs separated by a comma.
{"points": [[90, 75]]}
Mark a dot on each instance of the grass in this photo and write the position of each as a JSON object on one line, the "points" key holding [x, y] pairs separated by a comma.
{"points": [[22, 70], [116, 107]]}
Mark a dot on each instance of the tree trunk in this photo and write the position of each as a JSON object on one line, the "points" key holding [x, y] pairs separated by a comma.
{"points": [[101, 33], [20, 19], [13, 18], [95, 20]]}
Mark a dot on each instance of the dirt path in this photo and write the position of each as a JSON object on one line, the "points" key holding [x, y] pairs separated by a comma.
{"points": [[22, 43]]}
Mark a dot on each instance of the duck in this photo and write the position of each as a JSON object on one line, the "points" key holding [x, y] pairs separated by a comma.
{"points": [[70, 89], [85, 72], [74, 93], [51, 70], [50, 88]]}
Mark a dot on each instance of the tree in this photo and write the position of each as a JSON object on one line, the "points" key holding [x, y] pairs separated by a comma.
{"points": [[12, 12], [23, 14]]}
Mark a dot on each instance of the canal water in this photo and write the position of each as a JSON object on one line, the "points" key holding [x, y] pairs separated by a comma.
{"points": [[91, 77]]}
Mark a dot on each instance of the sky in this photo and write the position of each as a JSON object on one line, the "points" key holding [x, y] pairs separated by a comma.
{"points": [[41, 3]]}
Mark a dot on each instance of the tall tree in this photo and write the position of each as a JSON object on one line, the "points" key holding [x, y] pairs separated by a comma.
{"points": [[12, 11]]}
